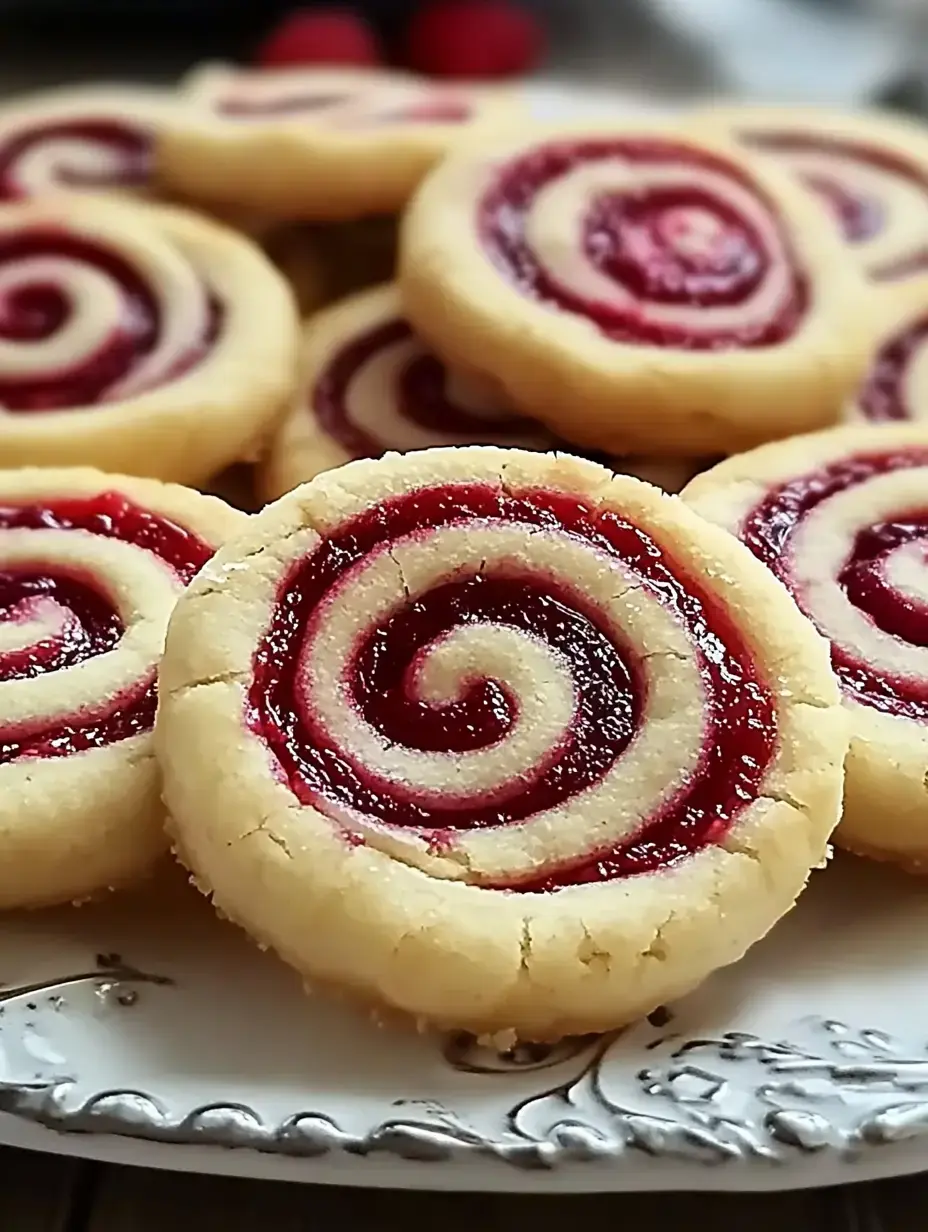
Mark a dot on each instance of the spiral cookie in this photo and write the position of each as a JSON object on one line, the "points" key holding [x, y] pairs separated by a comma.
{"points": [[137, 337], [90, 569], [870, 170], [637, 291], [369, 385], [87, 139], [317, 144], [498, 739], [840, 517], [896, 386]]}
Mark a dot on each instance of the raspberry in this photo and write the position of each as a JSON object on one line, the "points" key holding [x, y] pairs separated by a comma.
{"points": [[320, 36], [473, 39]]}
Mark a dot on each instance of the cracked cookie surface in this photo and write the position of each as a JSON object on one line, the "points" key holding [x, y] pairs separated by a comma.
{"points": [[497, 738]]}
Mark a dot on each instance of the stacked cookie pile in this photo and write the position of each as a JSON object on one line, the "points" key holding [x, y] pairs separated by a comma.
{"points": [[469, 721]]}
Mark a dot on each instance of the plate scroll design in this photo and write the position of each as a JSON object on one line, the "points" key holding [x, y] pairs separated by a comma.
{"points": [[706, 1101]]}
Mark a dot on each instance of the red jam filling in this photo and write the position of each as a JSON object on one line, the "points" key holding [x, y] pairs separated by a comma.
{"points": [[883, 396], [860, 215], [93, 625], [768, 533], [664, 245], [35, 312], [739, 732], [241, 106], [429, 111], [130, 144], [420, 394]]}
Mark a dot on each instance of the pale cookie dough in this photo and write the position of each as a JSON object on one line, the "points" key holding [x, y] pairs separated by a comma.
{"points": [[638, 290], [369, 385], [138, 338], [841, 518], [81, 139], [498, 739], [317, 144], [870, 171], [90, 568]]}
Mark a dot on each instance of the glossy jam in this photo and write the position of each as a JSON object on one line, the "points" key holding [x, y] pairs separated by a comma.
{"points": [[37, 311], [664, 244], [739, 718], [883, 394], [94, 625], [768, 532], [420, 394], [860, 215], [129, 145]]}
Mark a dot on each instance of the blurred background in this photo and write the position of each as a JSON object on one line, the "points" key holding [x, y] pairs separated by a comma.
{"points": [[841, 51]]}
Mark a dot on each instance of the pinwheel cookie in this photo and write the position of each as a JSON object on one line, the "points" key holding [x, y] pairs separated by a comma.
{"points": [[318, 144], [369, 385], [637, 290], [841, 518], [498, 739], [89, 138], [896, 385], [137, 337], [90, 568], [871, 172]]}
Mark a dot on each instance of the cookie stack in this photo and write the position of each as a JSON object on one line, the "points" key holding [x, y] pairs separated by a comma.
{"points": [[473, 720]]}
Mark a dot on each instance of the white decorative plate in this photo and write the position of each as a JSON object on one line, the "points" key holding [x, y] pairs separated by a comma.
{"points": [[149, 1032]]}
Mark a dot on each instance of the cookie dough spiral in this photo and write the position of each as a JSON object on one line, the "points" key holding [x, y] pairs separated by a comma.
{"points": [[88, 139], [869, 171], [90, 568], [841, 519], [658, 285], [137, 336], [370, 385], [501, 679], [316, 144], [896, 385]]}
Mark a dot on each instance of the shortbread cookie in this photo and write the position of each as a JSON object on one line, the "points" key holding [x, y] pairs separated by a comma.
{"points": [[137, 337], [896, 385], [369, 386], [90, 568], [317, 144], [841, 518], [84, 139], [871, 172], [497, 739], [637, 290]]}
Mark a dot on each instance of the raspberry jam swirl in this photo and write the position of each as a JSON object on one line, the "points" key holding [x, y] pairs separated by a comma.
{"points": [[338, 101], [878, 199], [384, 390], [48, 155], [655, 242], [62, 564], [487, 674], [896, 387], [850, 540], [88, 320]]}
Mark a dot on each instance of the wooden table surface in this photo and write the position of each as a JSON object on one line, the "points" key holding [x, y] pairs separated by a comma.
{"points": [[45, 1193]]}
